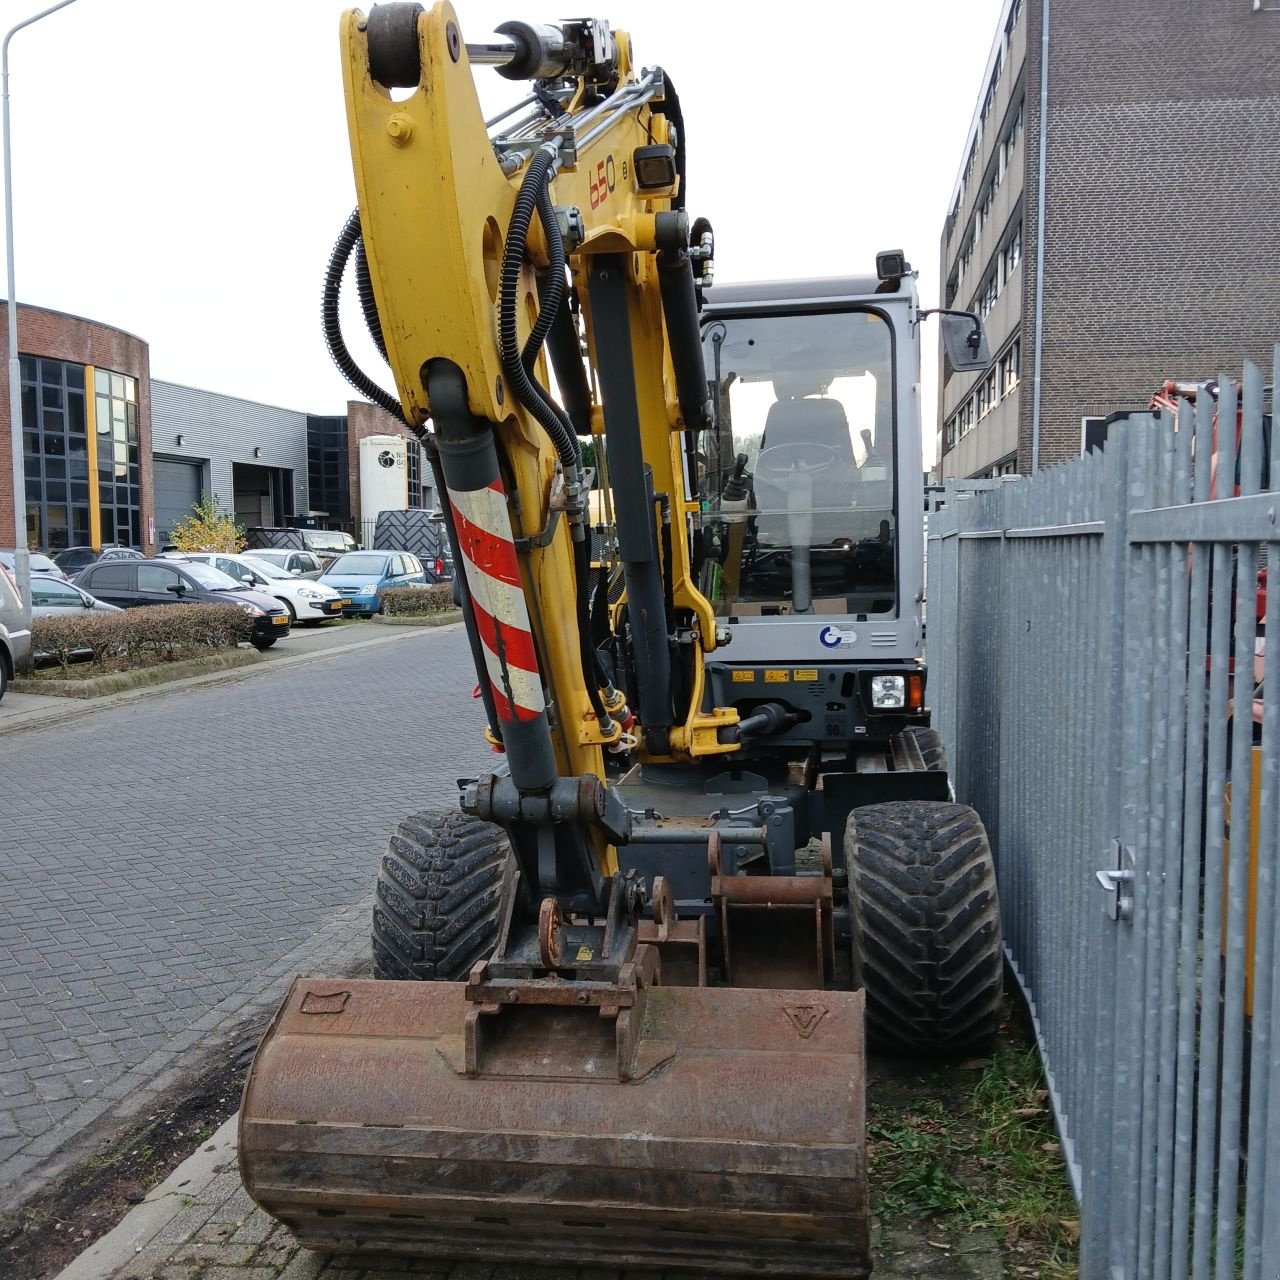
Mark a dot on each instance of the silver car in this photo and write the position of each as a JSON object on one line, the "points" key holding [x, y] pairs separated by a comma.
{"points": [[53, 598], [15, 636]]}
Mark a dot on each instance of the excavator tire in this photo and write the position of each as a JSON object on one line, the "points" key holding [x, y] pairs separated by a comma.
{"points": [[926, 927], [437, 899], [931, 749]]}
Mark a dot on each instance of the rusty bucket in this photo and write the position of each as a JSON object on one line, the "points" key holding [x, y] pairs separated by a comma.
{"points": [[735, 1147]]}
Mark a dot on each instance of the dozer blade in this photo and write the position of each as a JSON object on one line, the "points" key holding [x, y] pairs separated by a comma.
{"points": [[736, 1148]]}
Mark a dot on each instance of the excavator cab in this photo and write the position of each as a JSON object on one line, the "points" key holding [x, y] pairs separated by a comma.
{"points": [[622, 989]]}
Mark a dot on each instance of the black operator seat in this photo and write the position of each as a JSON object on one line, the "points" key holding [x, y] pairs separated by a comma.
{"points": [[808, 420]]}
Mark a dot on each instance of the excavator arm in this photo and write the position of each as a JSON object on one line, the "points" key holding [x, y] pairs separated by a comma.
{"points": [[567, 1103]]}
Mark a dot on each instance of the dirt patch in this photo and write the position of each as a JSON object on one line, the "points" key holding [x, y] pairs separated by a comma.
{"points": [[965, 1157], [42, 1236]]}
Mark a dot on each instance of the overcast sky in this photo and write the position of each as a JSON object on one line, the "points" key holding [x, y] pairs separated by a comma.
{"points": [[181, 170]]}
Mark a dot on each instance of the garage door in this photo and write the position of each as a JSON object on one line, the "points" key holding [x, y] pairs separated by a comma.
{"points": [[177, 491]]}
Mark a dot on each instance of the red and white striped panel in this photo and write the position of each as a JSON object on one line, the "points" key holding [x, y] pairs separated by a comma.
{"points": [[502, 618]]}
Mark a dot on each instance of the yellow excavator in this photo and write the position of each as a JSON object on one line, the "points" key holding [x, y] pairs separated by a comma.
{"points": [[620, 990]]}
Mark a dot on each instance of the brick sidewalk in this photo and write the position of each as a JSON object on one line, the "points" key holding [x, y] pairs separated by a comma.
{"points": [[170, 861]]}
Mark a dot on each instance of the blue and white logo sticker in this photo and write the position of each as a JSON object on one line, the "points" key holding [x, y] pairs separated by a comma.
{"points": [[838, 637]]}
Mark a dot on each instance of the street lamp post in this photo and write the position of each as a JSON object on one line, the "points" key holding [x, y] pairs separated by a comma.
{"points": [[21, 555]]}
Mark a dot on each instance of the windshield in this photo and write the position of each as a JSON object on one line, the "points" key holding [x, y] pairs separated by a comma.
{"points": [[360, 562], [207, 576], [328, 540], [277, 558], [263, 568], [797, 472]]}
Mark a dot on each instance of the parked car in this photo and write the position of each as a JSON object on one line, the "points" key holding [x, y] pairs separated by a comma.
{"points": [[130, 583], [308, 602], [328, 544], [39, 564], [56, 598], [15, 635], [72, 559], [298, 564], [362, 576]]}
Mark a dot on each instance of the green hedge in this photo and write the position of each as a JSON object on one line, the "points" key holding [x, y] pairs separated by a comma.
{"points": [[141, 637], [414, 602]]}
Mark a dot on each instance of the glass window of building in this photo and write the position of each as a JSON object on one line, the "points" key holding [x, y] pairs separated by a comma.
{"points": [[55, 454], [119, 464], [413, 454], [1009, 368]]}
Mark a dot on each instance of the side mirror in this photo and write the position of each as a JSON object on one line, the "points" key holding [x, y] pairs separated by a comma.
{"points": [[297, 573], [964, 341], [178, 588]]}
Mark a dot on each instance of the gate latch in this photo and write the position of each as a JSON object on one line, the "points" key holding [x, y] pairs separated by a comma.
{"points": [[1117, 882]]}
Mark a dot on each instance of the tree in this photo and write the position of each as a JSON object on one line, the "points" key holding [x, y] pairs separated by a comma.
{"points": [[208, 528]]}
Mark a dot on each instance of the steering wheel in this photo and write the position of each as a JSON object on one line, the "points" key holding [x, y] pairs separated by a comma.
{"points": [[801, 455]]}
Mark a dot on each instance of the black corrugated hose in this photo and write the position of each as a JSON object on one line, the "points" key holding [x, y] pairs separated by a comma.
{"points": [[368, 303], [550, 416], [332, 326]]}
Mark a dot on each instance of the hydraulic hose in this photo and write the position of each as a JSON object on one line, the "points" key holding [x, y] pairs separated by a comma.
{"points": [[552, 294], [368, 304], [590, 664], [332, 326], [536, 180]]}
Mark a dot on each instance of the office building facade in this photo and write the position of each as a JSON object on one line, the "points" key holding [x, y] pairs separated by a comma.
{"points": [[1155, 164]]}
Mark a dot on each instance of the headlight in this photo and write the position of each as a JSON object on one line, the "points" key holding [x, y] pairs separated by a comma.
{"points": [[888, 693], [369, 589], [253, 611], [310, 593]]}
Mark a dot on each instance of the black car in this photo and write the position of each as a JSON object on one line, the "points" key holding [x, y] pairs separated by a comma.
{"points": [[131, 583], [71, 560]]}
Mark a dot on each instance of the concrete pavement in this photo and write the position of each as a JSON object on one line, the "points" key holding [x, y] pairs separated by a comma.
{"points": [[167, 861]]}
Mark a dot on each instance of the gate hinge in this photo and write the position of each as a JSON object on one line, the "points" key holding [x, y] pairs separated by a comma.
{"points": [[1117, 882]]}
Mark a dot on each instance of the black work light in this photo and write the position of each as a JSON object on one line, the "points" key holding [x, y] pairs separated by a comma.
{"points": [[655, 166], [892, 264]]}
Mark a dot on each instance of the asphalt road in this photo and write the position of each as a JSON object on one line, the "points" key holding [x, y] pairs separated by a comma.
{"points": [[161, 858]]}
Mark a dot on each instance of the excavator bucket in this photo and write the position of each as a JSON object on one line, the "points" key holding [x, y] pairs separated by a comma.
{"points": [[730, 1141]]}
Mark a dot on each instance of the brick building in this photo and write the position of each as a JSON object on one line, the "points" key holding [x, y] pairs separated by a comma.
{"points": [[112, 457], [1161, 143], [334, 463], [86, 412]]}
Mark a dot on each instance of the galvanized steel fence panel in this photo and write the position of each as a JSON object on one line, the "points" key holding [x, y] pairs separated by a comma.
{"points": [[1085, 629]]}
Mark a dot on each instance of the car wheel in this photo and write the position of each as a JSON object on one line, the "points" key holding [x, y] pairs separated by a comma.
{"points": [[263, 645], [293, 613], [4, 674]]}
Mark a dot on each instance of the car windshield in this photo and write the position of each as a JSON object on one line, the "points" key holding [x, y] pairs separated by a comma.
{"points": [[210, 578], [277, 558], [358, 562], [263, 568], [327, 540], [797, 472]]}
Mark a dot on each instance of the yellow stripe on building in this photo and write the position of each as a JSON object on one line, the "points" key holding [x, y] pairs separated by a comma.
{"points": [[91, 436]]}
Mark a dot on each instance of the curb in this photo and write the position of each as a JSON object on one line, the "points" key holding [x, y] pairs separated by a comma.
{"points": [[162, 1204], [445, 619], [143, 677], [41, 716]]}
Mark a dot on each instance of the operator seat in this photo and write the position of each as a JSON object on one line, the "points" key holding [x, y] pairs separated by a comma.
{"points": [[810, 421]]}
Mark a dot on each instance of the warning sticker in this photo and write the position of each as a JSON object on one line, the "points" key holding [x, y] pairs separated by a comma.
{"points": [[584, 954], [743, 677], [776, 677], [805, 673]]}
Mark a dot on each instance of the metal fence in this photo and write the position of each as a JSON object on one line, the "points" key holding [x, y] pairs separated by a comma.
{"points": [[1086, 628]]}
